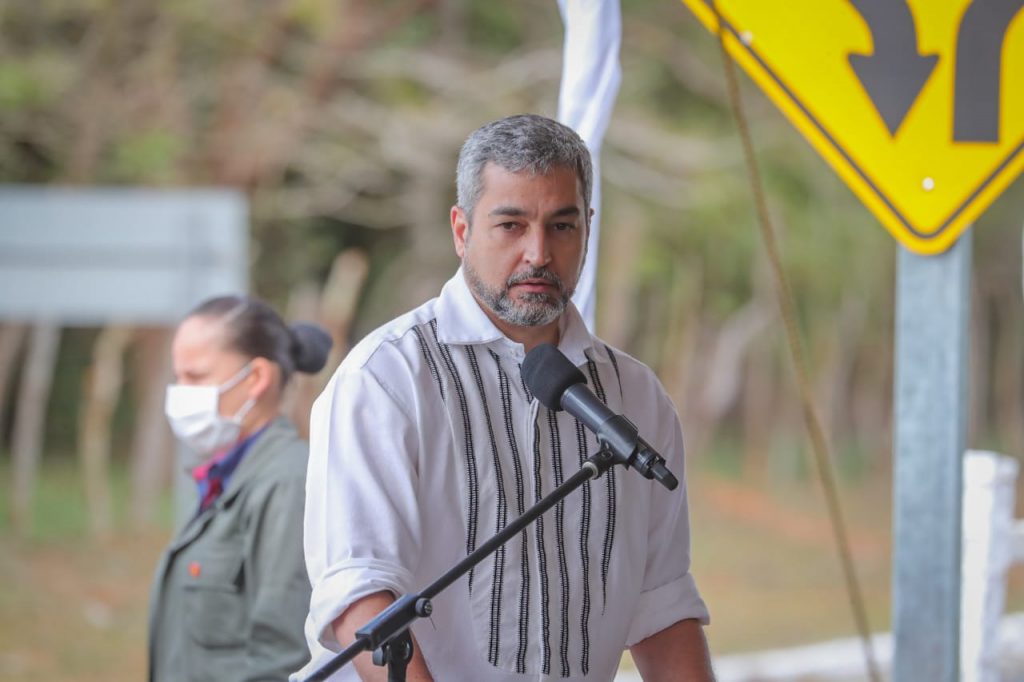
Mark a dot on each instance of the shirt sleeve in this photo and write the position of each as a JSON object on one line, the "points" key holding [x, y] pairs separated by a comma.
{"points": [[669, 591], [362, 519]]}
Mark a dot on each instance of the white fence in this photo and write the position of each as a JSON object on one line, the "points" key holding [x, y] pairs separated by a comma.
{"points": [[991, 645]]}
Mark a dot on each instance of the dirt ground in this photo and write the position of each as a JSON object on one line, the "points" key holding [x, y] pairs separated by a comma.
{"points": [[74, 610]]}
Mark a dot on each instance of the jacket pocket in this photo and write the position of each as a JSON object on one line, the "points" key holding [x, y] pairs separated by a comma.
{"points": [[215, 604]]}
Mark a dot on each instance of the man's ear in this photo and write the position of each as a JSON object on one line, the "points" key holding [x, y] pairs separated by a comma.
{"points": [[460, 230]]}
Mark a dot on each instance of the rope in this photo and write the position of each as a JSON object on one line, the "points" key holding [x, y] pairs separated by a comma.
{"points": [[812, 421]]}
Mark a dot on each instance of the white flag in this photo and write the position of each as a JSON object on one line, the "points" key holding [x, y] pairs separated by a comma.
{"points": [[590, 82]]}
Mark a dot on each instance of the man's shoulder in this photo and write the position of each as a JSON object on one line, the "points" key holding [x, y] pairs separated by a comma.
{"points": [[623, 362], [394, 334], [637, 380]]}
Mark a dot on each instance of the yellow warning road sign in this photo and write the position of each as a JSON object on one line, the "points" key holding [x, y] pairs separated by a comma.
{"points": [[919, 106]]}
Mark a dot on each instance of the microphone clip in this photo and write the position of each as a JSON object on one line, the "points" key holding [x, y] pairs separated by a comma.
{"points": [[622, 439]]}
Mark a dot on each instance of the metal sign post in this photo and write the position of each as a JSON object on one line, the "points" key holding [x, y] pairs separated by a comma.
{"points": [[919, 108], [932, 315]]}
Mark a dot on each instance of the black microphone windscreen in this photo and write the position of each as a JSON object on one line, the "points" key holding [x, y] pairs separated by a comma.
{"points": [[548, 373]]}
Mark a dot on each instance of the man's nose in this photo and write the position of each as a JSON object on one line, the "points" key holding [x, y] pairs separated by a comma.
{"points": [[537, 251]]}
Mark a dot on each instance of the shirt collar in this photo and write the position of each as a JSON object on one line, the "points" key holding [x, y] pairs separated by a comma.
{"points": [[461, 321], [224, 463]]}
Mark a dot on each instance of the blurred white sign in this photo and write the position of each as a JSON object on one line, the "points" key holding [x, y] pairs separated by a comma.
{"points": [[140, 256]]}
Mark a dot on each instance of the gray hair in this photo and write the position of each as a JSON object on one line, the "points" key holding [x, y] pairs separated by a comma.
{"points": [[524, 142]]}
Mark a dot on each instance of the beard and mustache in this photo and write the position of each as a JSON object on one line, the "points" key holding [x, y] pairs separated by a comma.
{"points": [[529, 309]]}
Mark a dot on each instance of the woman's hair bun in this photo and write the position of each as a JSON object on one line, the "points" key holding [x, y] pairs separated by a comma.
{"points": [[310, 347]]}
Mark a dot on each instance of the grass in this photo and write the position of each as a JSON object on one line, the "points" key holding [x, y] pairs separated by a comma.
{"points": [[59, 506], [75, 609], [767, 566]]}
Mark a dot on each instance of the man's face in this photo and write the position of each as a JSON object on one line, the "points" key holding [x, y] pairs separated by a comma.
{"points": [[524, 250]]}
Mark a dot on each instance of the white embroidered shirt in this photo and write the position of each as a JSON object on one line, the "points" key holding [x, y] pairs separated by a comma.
{"points": [[426, 442]]}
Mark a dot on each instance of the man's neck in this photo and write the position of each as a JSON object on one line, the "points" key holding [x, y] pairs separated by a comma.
{"points": [[532, 337]]}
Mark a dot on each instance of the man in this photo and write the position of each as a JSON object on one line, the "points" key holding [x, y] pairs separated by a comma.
{"points": [[426, 442]]}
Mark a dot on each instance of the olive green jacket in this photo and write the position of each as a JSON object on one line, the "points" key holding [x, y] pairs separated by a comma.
{"points": [[231, 592]]}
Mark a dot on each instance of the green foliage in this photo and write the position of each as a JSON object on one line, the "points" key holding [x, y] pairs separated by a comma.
{"points": [[312, 16], [26, 85], [149, 156], [495, 27], [342, 120]]}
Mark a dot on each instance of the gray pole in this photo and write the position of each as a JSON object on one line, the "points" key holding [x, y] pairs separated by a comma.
{"points": [[932, 315]]}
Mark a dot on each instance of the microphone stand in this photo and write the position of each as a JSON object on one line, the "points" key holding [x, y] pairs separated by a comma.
{"points": [[387, 635]]}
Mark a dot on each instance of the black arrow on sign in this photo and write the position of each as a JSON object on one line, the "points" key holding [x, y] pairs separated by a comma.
{"points": [[979, 52], [895, 74]]}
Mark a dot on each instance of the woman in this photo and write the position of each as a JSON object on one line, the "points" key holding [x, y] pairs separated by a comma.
{"points": [[231, 591]]}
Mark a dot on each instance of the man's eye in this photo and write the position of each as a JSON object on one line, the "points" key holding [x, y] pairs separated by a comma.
{"points": [[563, 227], [508, 227]]}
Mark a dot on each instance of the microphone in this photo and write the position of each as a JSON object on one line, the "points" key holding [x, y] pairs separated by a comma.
{"points": [[559, 385]]}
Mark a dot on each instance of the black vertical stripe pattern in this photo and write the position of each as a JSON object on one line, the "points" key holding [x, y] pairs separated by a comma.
{"points": [[472, 483], [524, 556], [542, 563], [581, 441], [526, 390], [609, 535], [429, 357], [563, 568], [618, 375], [501, 518], [615, 366]]}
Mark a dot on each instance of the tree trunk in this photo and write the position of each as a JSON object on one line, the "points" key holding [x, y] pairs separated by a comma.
{"points": [[1008, 371], [152, 449], [721, 386], [678, 313], [431, 245], [303, 304], [850, 329], [335, 310], [30, 420], [980, 354], [871, 406], [11, 338], [452, 18], [340, 299], [101, 390], [760, 401], [621, 234]]}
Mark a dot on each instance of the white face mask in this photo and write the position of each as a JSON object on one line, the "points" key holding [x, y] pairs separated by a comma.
{"points": [[195, 418]]}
